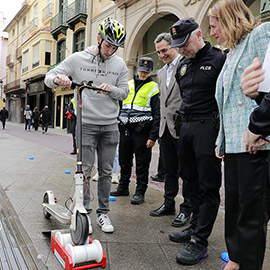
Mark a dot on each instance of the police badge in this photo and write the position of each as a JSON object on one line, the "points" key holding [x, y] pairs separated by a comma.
{"points": [[183, 70]]}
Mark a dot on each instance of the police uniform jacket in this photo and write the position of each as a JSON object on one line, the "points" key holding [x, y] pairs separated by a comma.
{"points": [[142, 105], [234, 107], [197, 80]]}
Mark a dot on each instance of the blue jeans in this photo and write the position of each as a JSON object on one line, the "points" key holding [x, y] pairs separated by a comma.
{"points": [[102, 139], [27, 124]]}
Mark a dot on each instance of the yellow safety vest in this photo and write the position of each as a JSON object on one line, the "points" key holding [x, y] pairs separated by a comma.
{"points": [[141, 100], [136, 107]]}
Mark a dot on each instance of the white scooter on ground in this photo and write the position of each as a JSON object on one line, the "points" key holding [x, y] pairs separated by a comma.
{"points": [[75, 214]]}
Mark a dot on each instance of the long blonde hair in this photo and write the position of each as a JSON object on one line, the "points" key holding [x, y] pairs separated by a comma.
{"points": [[235, 19]]}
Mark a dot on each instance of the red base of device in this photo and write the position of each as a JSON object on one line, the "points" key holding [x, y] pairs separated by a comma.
{"points": [[66, 260]]}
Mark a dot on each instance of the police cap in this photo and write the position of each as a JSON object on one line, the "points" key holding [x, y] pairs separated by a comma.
{"points": [[181, 31], [145, 64]]}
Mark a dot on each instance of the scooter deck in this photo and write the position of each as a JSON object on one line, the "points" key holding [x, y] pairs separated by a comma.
{"points": [[58, 211]]}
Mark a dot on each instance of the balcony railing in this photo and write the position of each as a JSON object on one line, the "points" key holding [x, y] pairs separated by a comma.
{"points": [[18, 84], [58, 24], [33, 24], [77, 12], [47, 11], [19, 53], [10, 60]]}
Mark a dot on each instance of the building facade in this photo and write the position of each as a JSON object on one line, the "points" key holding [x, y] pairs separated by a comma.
{"points": [[72, 25]]}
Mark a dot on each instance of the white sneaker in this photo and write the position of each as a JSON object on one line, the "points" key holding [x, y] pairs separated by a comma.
{"points": [[115, 178], [104, 222], [95, 177]]}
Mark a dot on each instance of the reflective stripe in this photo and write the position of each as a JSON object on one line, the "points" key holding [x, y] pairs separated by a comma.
{"points": [[135, 119], [136, 107]]}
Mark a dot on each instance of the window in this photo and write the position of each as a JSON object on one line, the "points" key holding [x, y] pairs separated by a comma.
{"points": [[79, 38], [12, 53], [11, 78], [48, 48], [13, 32], [23, 38], [25, 61], [61, 51], [35, 57]]}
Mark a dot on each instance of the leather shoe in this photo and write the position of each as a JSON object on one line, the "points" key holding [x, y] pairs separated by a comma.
{"points": [[119, 192], [192, 253], [73, 153], [182, 237], [162, 211], [137, 199], [157, 178], [181, 220]]}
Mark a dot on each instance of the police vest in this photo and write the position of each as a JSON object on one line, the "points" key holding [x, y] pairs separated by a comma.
{"points": [[136, 107]]}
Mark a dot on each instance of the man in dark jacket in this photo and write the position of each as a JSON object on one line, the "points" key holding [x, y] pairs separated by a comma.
{"points": [[3, 116], [46, 117], [139, 126]]}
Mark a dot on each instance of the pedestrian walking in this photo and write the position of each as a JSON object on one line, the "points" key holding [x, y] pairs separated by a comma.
{"points": [[247, 191], [36, 118], [45, 116], [198, 125], [100, 109], [3, 117], [27, 118], [170, 101], [139, 125], [70, 112]]}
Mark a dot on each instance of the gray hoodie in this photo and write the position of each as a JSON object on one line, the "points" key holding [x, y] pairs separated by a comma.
{"points": [[97, 109]]}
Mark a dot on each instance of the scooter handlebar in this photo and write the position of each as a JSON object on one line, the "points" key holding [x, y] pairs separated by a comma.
{"points": [[89, 85]]}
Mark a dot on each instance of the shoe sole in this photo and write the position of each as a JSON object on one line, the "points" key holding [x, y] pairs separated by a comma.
{"points": [[132, 202], [183, 262]]}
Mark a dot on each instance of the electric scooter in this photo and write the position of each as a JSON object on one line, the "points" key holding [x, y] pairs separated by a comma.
{"points": [[75, 214]]}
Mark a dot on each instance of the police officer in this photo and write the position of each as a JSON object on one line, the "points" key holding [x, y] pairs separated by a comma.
{"points": [[197, 124], [139, 126]]}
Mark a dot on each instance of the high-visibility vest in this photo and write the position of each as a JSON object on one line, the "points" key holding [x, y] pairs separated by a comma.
{"points": [[138, 103], [141, 100]]}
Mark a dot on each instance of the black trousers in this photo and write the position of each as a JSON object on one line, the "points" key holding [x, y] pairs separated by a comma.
{"points": [[169, 154], [247, 207], [202, 170], [134, 143]]}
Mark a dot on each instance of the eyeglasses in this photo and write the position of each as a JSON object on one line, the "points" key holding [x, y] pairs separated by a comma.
{"points": [[163, 50]]}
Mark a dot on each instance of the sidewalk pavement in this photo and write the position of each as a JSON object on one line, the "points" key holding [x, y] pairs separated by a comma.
{"points": [[139, 241]]}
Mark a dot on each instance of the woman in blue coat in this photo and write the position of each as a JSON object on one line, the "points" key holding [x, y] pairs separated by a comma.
{"points": [[247, 193]]}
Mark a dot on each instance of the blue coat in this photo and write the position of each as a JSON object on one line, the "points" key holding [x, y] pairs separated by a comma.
{"points": [[234, 107]]}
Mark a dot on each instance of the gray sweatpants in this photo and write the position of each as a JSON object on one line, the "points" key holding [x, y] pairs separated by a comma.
{"points": [[102, 139]]}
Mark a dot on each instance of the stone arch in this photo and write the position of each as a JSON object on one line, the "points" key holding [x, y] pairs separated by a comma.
{"points": [[142, 24]]}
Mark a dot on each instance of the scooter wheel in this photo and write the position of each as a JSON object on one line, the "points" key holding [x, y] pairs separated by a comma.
{"points": [[46, 200], [81, 233]]}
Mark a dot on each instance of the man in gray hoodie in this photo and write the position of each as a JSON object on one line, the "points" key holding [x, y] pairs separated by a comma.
{"points": [[99, 109]]}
